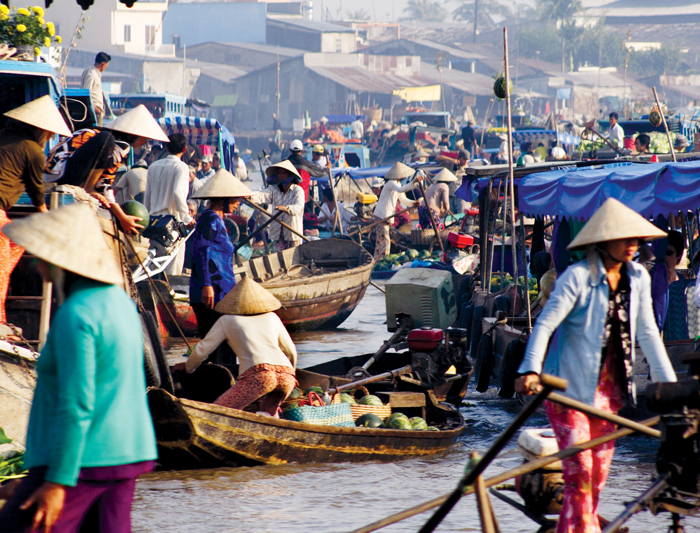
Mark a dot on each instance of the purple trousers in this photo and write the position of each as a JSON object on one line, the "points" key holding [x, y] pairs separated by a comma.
{"points": [[106, 492]]}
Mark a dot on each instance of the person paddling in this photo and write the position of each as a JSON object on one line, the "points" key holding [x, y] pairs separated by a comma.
{"points": [[265, 351], [599, 308]]}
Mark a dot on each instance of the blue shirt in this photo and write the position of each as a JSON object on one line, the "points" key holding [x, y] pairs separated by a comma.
{"points": [[89, 407], [212, 258], [574, 317]]}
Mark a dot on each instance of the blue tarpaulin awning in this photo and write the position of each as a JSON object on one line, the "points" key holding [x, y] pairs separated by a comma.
{"points": [[201, 131], [649, 189]]}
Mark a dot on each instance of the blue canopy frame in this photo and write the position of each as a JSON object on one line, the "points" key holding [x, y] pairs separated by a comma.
{"points": [[203, 131]]}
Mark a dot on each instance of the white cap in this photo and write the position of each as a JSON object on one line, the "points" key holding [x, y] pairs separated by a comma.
{"points": [[296, 146]]}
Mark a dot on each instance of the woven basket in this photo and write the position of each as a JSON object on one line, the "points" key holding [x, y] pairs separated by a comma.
{"points": [[426, 236], [359, 410], [323, 415]]}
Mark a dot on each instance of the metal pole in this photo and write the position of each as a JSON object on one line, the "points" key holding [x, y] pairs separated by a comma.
{"points": [[510, 160], [338, 218], [639, 504], [663, 118]]}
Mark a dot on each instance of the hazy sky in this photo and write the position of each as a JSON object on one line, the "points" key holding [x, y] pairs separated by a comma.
{"points": [[377, 9]]}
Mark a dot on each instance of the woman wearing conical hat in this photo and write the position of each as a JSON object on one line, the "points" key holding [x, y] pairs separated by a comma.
{"points": [[266, 353], [212, 250], [284, 194], [90, 432], [599, 309], [22, 161], [437, 199]]}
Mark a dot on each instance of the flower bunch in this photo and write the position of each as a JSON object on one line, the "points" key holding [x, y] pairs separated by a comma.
{"points": [[26, 26]]}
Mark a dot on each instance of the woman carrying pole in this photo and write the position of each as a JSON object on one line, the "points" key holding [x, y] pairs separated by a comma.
{"points": [[599, 308]]}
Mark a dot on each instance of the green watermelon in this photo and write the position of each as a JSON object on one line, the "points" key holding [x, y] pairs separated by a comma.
{"points": [[431, 428], [369, 420], [499, 87], [393, 416], [317, 390], [346, 398], [412, 253], [655, 118], [370, 399], [137, 209], [399, 423], [418, 423], [296, 393]]}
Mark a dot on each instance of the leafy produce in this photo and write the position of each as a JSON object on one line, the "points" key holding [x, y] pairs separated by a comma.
{"points": [[11, 459], [418, 423], [399, 423], [369, 420], [346, 398], [370, 399], [317, 390]]}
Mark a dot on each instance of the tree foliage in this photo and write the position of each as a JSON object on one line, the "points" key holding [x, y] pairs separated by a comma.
{"points": [[665, 60], [488, 11], [360, 14], [424, 11]]}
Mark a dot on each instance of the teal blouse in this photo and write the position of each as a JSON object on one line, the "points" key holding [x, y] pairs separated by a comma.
{"points": [[90, 405]]}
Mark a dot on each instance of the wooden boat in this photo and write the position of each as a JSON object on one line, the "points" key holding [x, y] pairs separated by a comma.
{"points": [[319, 284], [192, 433], [17, 383]]}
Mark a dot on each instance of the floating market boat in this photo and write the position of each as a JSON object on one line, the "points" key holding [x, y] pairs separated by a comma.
{"points": [[193, 433], [319, 284], [17, 383]]}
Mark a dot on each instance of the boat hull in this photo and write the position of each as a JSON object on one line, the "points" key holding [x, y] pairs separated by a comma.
{"points": [[17, 384], [193, 434]]}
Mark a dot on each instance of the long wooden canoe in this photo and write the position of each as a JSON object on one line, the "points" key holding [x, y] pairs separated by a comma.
{"points": [[17, 383], [196, 434]]}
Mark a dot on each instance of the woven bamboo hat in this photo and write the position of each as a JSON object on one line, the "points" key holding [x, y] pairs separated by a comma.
{"points": [[69, 237], [399, 171], [41, 113], [613, 220], [223, 184], [247, 298], [445, 176], [286, 164], [139, 121]]}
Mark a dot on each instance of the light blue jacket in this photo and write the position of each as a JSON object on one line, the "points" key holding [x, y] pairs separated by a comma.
{"points": [[576, 313], [90, 406]]}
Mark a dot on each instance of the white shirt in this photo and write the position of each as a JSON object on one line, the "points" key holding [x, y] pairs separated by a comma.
{"points": [[131, 183], [167, 186], [206, 176], [617, 136], [558, 152], [357, 129], [391, 193], [92, 79], [504, 149], [321, 161], [345, 216], [240, 170], [255, 339], [294, 200]]}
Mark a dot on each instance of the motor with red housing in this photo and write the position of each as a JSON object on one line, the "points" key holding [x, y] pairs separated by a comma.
{"points": [[434, 351]]}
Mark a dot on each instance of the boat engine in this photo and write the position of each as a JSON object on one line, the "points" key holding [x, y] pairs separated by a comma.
{"points": [[433, 352], [542, 489]]}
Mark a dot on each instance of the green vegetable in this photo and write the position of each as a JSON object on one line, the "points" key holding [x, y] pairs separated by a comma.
{"points": [[418, 423], [317, 390], [137, 209], [499, 87], [296, 393], [369, 420], [431, 428], [394, 416], [11, 462], [399, 423], [412, 253], [346, 398], [370, 399]]}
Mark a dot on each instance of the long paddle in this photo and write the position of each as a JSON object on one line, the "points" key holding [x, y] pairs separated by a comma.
{"points": [[376, 222], [391, 374], [257, 231], [256, 206]]}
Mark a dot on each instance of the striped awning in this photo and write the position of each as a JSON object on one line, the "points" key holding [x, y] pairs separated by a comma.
{"points": [[201, 131]]}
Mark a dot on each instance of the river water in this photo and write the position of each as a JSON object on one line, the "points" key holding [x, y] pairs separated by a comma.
{"points": [[342, 497]]}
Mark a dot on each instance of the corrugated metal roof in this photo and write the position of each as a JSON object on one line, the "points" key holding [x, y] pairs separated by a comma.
{"points": [[467, 82], [361, 80], [312, 25], [254, 47], [225, 73]]}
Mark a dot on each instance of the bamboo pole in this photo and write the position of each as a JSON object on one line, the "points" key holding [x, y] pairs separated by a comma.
{"points": [[663, 119], [256, 206], [510, 163], [484, 507], [338, 219], [525, 468], [375, 223], [525, 272], [430, 215]]}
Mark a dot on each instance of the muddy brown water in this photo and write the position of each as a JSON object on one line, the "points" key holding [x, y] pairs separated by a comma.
{"points": [[341, 497]]}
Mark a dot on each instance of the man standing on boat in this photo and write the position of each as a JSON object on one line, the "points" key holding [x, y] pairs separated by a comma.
{"points": [[599, 309], [207, 171], [21, 168], [166, 192], [284, 194], [92, 80]]}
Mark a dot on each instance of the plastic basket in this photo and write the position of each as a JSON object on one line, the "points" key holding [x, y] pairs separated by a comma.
{"points": [[324, 415]]}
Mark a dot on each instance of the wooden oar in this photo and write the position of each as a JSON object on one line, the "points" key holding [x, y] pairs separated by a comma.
{"points": [[376, 222], [391, 374], [387, 344], [257, 231], [256, 206], [430, 216]]}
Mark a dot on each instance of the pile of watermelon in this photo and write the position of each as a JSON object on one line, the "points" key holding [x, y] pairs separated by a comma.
{"points": [[394, 421], [394, 261]]}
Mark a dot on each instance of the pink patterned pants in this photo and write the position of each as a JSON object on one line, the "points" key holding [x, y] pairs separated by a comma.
{"points": [[585, 473], [10, 254], [271, 384]]}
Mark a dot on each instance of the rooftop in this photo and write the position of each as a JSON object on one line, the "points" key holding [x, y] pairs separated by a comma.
{"points": [[311, 25], [283, 51]]}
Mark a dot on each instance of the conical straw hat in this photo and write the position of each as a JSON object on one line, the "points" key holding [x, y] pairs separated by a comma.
{"points": [[223, 184], [399, 171], [614, 220], [286, 164], [41, 113], [140, 122], [69, 237], [247, 298], [445, 176]]}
